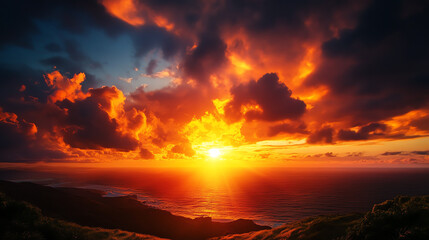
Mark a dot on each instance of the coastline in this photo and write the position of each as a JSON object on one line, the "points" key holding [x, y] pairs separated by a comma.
{"points": [[403, 217], [278, 197], [90, 208]]}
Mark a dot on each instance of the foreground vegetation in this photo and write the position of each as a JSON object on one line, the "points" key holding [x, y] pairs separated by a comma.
{"points": [[20, 220], [404, 218]]}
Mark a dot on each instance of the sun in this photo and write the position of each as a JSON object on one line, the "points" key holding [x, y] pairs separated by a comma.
{"points": [[214, 153]]}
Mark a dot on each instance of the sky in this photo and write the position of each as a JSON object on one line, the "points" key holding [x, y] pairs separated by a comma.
{"points": [[226, 82]]}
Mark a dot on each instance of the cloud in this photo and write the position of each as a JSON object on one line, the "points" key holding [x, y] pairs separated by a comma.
{"points": [[355, 154], [147, 38], [421, 123], [287, 128], [353, 66], [273, 100], [21, 143], [125, 10], [375, 70], [16, 76], [151, 67], [421, 152], [179, 104], [206, 58], [73, 16], [184, 148], [127, 80], [10, 125], [66, 65], [77, 18], [89, 125], [170, 109], [391, 153], [324, 135], [92, 120], [63, 87], [77, 61], [364, 133], [330, 154], [166, 73], [146, 154], [75, 54]]}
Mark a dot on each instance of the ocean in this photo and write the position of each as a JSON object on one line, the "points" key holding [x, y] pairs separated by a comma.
{"points": [[269, 196]]}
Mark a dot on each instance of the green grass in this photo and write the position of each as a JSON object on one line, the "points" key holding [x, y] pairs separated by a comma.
{"points": [[20, 221]]}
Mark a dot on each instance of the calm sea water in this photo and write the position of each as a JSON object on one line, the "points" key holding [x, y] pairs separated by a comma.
{"points": [[269, 196]]}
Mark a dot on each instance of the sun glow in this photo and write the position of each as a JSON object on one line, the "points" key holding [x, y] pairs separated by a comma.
{"points": [[240, 65], [214, 153]]}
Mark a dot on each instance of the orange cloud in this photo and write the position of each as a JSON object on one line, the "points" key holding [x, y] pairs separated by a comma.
{"points": [[126, 10], [162, 22], [136, 13], [21, 126], [63, 87]]}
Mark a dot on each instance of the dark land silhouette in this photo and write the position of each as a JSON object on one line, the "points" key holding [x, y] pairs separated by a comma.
{"points": [[90, 208], [20, 220]]}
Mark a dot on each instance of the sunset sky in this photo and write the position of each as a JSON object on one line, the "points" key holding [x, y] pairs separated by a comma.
{"points": [[225, 82]]}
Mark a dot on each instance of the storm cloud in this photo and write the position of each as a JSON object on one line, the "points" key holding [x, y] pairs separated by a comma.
{"points": [[208, 72], [272, 96]]}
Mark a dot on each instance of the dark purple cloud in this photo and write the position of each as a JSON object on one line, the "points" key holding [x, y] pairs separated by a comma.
{"points": [[364, 133], [20, 141], [146, 154], [90, 127], [287, 128], [378, 69], [391, 153], [272, 96], [206, 58], [151, 67], [421, 152], [324, 135]]}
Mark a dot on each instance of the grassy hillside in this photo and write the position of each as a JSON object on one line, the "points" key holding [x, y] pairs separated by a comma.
{"points": [[20, 220], [404, 218]]}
